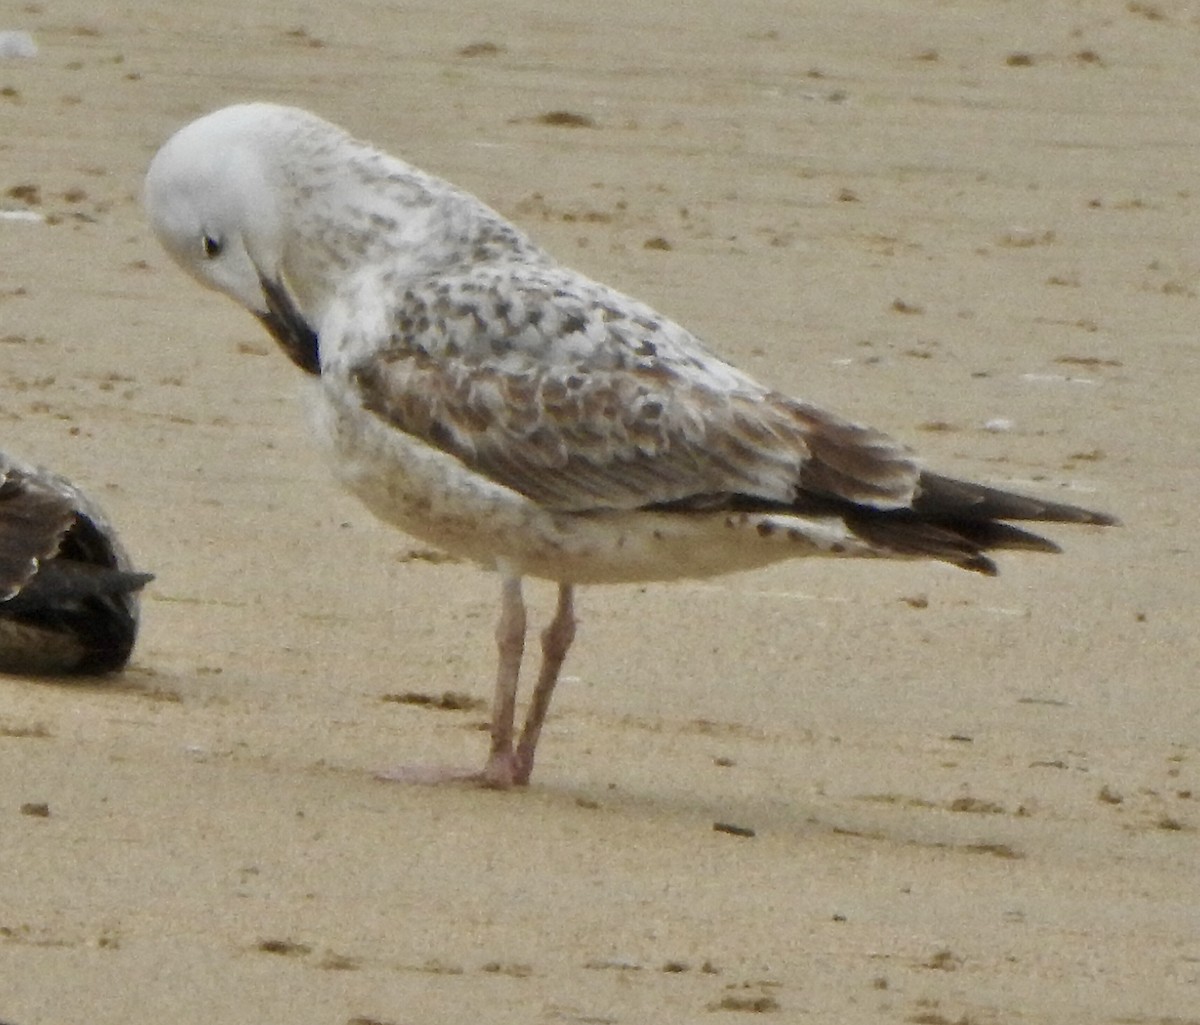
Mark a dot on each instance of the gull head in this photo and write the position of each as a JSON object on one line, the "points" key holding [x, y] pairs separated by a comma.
{"points": [[214, 202]]}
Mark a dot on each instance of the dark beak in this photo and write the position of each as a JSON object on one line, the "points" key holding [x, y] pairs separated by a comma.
{"points": [[289, 328]]}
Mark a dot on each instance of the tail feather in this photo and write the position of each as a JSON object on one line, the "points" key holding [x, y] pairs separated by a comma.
{"points": [[907, 538]]}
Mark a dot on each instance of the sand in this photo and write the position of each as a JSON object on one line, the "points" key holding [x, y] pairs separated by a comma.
{"points": [[972, 801]]}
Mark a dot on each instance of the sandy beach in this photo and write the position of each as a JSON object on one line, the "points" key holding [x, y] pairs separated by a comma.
{"points": [[822, 792]]}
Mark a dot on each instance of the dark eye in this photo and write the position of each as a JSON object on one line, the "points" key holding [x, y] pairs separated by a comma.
{"points": [[212, 246]]}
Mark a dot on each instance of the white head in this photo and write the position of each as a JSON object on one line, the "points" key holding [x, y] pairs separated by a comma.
{"points": [[215, 206]]}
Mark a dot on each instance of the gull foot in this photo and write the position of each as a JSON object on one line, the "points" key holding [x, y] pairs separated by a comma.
{"points": [[502, 772]]}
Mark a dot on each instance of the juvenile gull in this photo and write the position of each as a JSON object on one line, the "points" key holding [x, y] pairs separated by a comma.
{"points": [[68, 592], [481, 396]]}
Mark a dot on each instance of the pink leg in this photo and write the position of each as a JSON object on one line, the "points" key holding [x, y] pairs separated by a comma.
{"points": [[501, 767], [556, 640]]}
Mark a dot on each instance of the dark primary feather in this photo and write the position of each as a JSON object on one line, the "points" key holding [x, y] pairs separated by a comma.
{"points": [[957, 521], [583, 400], [939, 496]]}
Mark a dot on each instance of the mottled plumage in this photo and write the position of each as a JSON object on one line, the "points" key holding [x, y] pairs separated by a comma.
{"points": [[68, 592], [485, 398]]}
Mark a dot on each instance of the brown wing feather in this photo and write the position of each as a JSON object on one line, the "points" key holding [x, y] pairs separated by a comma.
{"points": [[582, 399], [34, 519]]}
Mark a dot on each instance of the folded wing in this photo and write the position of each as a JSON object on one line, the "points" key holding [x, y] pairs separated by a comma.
{"points": [[584, 400]]}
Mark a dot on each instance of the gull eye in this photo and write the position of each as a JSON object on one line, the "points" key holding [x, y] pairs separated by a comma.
{"points": [[212, 246]]}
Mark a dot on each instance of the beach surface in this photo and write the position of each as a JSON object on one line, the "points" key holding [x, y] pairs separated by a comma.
{"points": [[822, 792]]}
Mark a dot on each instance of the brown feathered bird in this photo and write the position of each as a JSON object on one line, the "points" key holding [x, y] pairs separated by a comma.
{"points": [[68, 592], [497, 404]]}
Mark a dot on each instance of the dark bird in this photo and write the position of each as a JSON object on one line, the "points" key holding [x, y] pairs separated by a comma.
{"points": [[68, 593]]}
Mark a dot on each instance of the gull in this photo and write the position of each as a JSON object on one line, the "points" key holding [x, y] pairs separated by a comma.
{"points": [[68, 593], [486, 399]]}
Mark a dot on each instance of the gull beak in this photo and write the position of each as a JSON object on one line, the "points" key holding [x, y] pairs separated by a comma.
{"points": [[288, 326]]}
